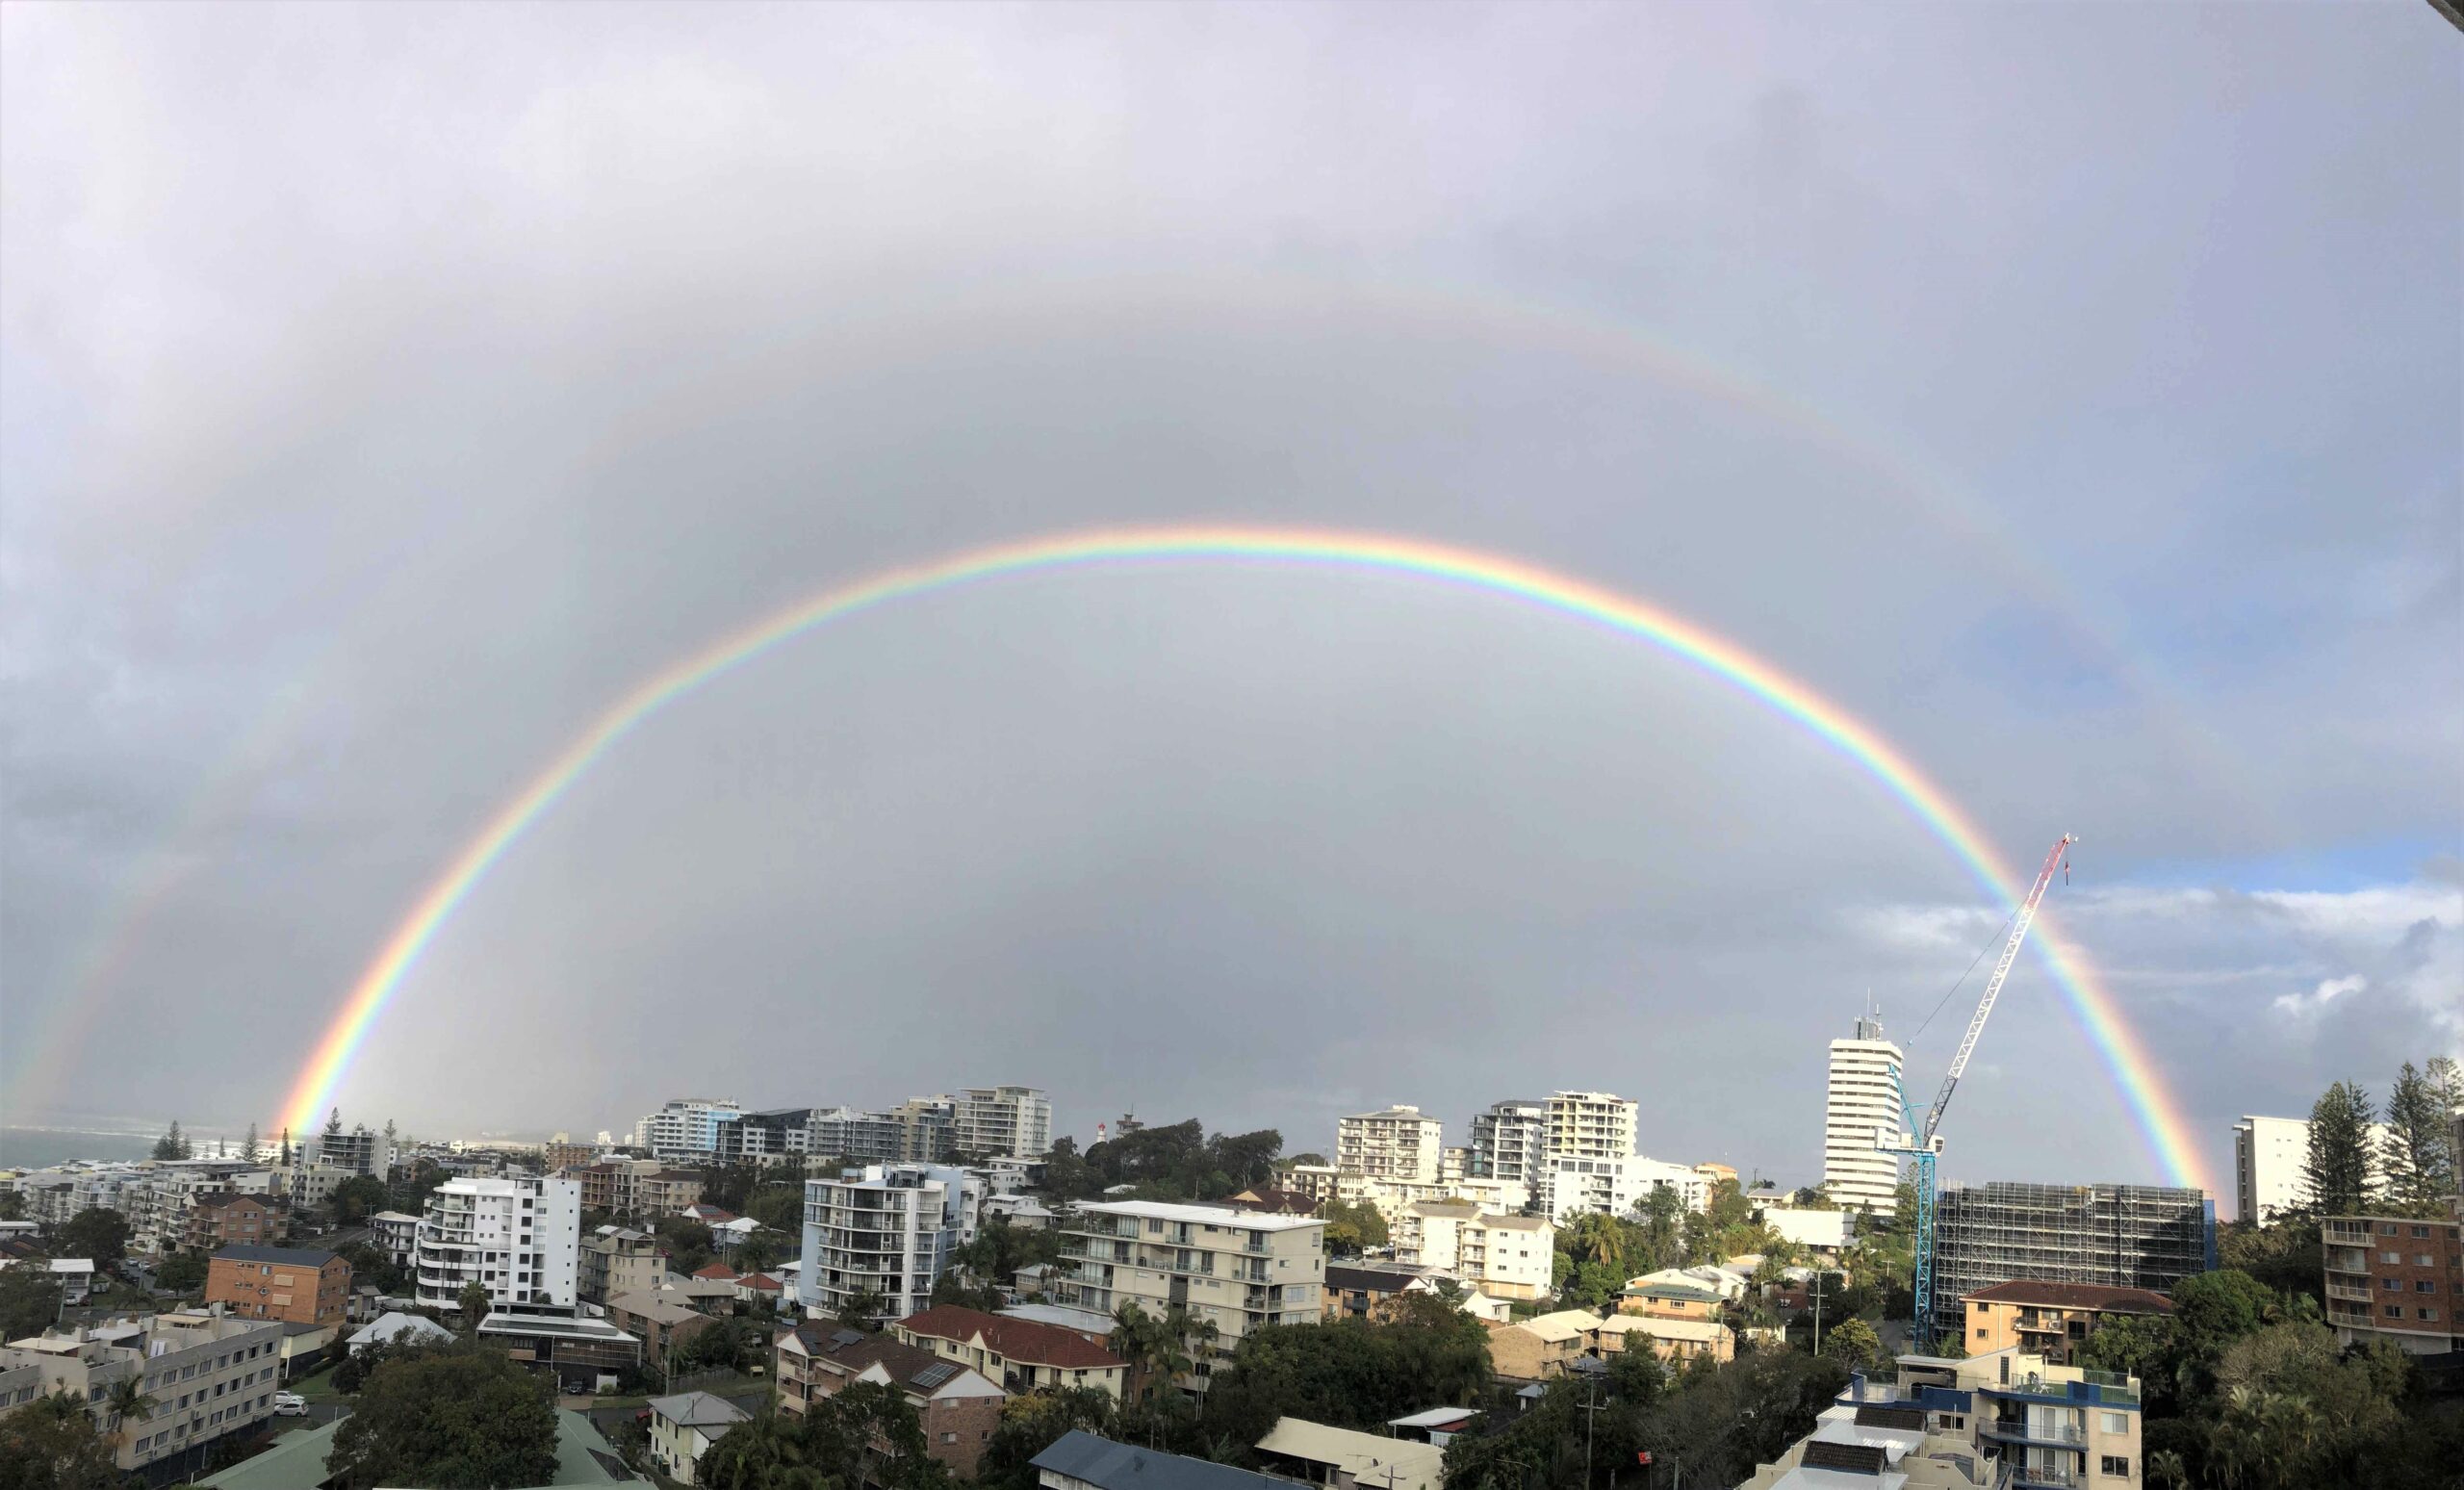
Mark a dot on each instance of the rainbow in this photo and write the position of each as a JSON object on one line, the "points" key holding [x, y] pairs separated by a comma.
{"points": [[2152, 1107]]}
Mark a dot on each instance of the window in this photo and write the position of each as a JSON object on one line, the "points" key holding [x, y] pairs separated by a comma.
{"points": [[949, 1438], [2115, 1464], [2424, 1286], [2424, 1260], [2391, 1285], [2114, 1422], [2427, 1314], [2391, 1257], [2421, 1231], [2394, 1311]]}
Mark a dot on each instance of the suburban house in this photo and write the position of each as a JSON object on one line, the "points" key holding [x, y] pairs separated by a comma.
{"points": [[296, 1285], [2052, 1318], [1668, 1301], [1019, 1354], [659, 1321], [685, 1425], [398, 1328], [1354, 1292], [1545, 1346], [957, 1407], [1274, 1200], [1079, 1460], [1342, 1458]]}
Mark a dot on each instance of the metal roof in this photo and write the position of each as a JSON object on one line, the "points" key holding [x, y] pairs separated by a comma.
{"points": [[1110, 1465]]}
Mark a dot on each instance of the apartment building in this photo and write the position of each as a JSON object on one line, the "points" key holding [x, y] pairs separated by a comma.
{"points": [[296, 1285], [1318, 1181], [210, 1375], [1616, 1186], [687, 1128], [1400, 1143], [1242, 1270], [1390, 1196], [159, 1203], [1590, 1125], [1862, 1102], [308, 1186], [1011, 1121], [2051, 1319], [858, 1136], [2396, 1279], [888, 1231], [228, 1219], [1503, 1256], [2269, 1157], [519, 1237], [1021, 1355], [774, 1133], [927, 1129], [2007, 1421], [618, 1260], [2121, 1236], [358, 1152], [638, 1186], [562, 1153], [395, 1234]]}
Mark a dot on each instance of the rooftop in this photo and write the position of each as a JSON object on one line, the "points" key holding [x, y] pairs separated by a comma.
{"points": [[297, 1256], [1110, 1465], [2103, 1299], [698, 1409], [1016, 1339], [1223, 1216], [1370, 1458], [297, 1461]]}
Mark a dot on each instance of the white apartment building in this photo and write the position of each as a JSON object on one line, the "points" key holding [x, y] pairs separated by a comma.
{"points": [[359, 1151], [1509, 1141], [210, 1375], [159, 1203], [687, 1128], [1615, 1187], [887, 1229], [1864, 1102], [2268, 1156], [1243, 1270], [1501, 1256], [1394, 1143], [53, 1196], [1590, 1125], [1391, 1196], [1004, 1122], [519, 1237]]}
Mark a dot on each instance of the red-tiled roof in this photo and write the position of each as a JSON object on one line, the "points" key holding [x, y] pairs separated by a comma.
{"points": [[2075, 1296], [758, 1280], [1017, 1339], [716, 1271]]}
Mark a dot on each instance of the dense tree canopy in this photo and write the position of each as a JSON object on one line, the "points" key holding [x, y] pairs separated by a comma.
{"points": [[2337, 1173], [1350, 1372], [180, 1272], [1031, 1423], [1173, 1162], [866, 1434], [454, 1419], [54, 1444], [95, 1232], [30, 1299], [359, 1197]]}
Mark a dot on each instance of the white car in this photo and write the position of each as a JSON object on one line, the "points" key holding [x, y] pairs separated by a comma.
{"points": [[290, 1404]]}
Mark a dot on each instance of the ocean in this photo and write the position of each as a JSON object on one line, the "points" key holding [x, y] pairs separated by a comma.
{"points": [[32, 1148]]}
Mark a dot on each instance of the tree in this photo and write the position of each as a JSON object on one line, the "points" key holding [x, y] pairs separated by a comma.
{"points": [[779, 1207], [333, 1129], [30, 1299], [358, 1197], [474, 1304], [172, 1145], [2336, 1175], [12, 1205], [373, 1264], [97, 1232], [688, 1243], [1031, 1423], [868, 1432], [128, 1405], [1353, 1228], [286, 1146], [52, 1444], [180, 1272], [1853, 1344], [2418, 1157], [769, 1452], [864, 1309], [457, 1420], [249, 1146]]}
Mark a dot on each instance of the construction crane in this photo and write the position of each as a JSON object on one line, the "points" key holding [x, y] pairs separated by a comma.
{"points": [[1921, 1143]]}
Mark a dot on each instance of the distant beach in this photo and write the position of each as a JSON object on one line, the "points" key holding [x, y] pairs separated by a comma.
{"points": [[32, 1148]]}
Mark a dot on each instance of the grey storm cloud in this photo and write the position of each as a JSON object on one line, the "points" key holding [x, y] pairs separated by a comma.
{"points": [[384, 392]]}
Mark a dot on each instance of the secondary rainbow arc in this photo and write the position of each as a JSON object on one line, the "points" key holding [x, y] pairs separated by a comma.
{"points": [[2137, 1078]]}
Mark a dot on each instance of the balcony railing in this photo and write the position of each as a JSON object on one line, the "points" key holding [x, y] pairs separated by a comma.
{"points": [[2348, 1291], [2020, 1429]]}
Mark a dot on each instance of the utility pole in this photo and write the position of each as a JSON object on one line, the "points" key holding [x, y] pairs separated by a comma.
{"points": [[1591, 1409], [1817, 1311]]}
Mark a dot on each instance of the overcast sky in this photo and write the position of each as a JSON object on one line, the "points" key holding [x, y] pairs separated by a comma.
{"points": [[2070, 392]]}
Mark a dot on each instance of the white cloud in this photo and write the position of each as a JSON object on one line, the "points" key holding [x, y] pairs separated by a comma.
{"points": [[2329, 990]]}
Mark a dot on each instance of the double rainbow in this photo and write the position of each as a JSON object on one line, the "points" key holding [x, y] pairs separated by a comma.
{"points": [[2135, 1076]]}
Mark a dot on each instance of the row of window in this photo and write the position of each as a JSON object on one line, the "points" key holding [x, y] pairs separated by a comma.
{"points": [[2397, 1312], [2396, 1259], [2420, 1285], [222, 1362], [216, 1419]]}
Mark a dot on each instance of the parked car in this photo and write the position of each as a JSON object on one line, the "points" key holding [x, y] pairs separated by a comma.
{"points": [[290, 1404]]}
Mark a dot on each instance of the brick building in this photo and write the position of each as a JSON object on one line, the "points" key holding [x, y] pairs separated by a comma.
{"points": [[2050, 1319], [957, 1406], [230, 1219], [296, 1285], [2396, 1279]]}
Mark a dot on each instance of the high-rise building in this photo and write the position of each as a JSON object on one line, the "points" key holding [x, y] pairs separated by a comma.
{"points": [[1242, 1270], [2397, 1278], [1590, 1125], [1013, 1123], [927, 1129], [359, 1150], [2125, 1236], [1392, 1143], [886, 1230], [2269, 1157], [518, 1237], [1615, 1187], [687, 1128], [853, 1135], [1864, 1102], [1509, 1141]]}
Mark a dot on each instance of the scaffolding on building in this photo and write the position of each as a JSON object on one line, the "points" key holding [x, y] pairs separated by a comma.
{"points": [[2122, 1236]]}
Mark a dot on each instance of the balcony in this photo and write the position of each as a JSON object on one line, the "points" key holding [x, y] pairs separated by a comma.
{"points": [[2045, 1476], [2019, 1431], [2348, 1291]]}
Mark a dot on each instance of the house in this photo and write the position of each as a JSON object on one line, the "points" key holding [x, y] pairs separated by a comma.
{"points": [[957, 1407], [1730, 1283], [296, 1285], [1079, 1460], [1020, 1354], [1438, 1426], [2052, 1318], [761, 1290], [399, 1329], [710, 1215], [1342, 1458], [1677, 1340], [709, 1295], [1095, 1327], [683, 1427], [1358, 1293], [1668, 1301], [659, 1321], [1543, 1346], [584, 1354], [1274, 1200]]}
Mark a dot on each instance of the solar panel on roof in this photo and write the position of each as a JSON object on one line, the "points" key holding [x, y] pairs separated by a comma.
{"points": [[934, 1375]]}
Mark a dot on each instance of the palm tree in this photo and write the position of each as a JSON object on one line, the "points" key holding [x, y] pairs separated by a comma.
{"points": [[1135, 1339], [128, 1405], [2165, 1471]]}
